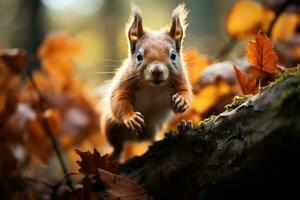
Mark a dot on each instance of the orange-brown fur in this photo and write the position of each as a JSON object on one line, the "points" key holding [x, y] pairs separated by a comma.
{"points": [[145, 91]]}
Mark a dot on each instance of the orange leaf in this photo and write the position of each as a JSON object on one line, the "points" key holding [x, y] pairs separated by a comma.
{"points": [[91, 162], [245, 18], [195, 63], [286, 26], [247, 84], [260, 54], [57, 53]]}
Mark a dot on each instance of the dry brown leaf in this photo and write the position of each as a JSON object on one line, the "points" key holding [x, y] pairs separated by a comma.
{"points": [[248, 85], [15, 59], [91, 162], [260, 54], [109, 186], [119, 187]]}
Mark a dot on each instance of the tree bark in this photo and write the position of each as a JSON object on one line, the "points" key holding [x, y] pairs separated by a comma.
{"points": [[250, 152]]}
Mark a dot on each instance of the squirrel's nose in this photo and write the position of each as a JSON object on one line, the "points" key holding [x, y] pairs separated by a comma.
{"points": [[157, 73]]}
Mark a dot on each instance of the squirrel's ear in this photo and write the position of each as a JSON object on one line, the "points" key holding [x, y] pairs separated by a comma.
{"points": [[178, 25], [135, 30]]}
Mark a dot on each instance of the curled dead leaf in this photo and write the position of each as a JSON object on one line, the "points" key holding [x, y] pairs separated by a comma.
{"points": [[248, 85]]}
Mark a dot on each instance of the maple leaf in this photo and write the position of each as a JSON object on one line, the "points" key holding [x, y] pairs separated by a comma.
{"points": [[248, 85], [260, 54], [91, 162]]}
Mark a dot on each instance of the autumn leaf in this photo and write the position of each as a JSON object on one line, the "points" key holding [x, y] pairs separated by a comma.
{"points": [[91, 162], [248, 85], [15, 59], [195, 63], [286, 26], [260, 54], [245, 18], [209, 95], [106, 185], [57, 53]]}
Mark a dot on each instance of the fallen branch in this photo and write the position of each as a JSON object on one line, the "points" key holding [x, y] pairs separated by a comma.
{"points": [[250, 151]]}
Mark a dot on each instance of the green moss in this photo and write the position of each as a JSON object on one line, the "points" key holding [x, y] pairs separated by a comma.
{"points": [[293, 72], [236, 102], [207, 120], [291, 95]]}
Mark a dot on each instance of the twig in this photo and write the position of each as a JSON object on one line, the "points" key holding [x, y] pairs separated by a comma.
{"points": [[226, 48], [27, 179], [66, 177], [42, 106]]}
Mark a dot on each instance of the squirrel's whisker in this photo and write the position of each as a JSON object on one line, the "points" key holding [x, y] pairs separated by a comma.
{"points": [[105, 72], [110, 60]]}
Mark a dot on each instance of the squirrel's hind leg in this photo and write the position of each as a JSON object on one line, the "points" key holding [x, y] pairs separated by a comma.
{"points": [[116, 134]]}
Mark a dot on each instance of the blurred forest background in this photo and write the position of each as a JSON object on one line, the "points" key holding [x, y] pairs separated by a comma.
{"points": [[76, 45], [99, 27]]}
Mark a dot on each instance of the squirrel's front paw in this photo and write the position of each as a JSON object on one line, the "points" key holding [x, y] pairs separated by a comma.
{"points": [[135, 122], [179, 103]]}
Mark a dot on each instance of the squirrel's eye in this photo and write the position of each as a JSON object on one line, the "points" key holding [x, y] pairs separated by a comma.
{"points": [[173, 56], [139, 56]]}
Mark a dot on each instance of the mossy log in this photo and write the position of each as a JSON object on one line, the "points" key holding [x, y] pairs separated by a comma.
{"points": [[251, 151]]}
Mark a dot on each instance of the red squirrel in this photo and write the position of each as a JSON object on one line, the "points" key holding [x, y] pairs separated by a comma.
{"points": [[150, 85]]}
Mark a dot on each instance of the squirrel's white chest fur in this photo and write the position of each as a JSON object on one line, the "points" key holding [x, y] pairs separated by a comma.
{"points": [[154, 102]]}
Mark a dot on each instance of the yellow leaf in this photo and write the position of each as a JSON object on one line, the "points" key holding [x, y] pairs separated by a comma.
{"points": [[195, 64], [57, 53], [209, 95], [286, 26], [245, 18]]}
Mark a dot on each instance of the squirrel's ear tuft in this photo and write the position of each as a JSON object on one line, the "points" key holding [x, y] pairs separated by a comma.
{"points": [[135, 27], [178, 24]]}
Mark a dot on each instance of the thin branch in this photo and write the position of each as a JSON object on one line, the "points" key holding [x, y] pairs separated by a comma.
{"points": [[27, 179], [226, 48], [42, 106]]}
